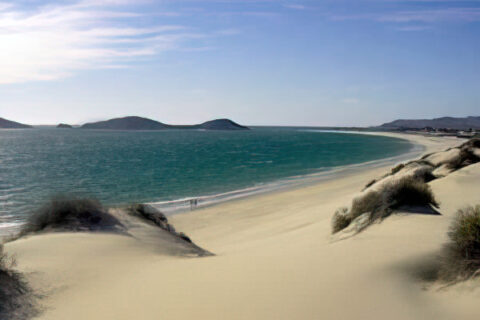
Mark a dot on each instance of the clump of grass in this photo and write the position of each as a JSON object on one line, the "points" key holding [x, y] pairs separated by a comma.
{"points": [[148, 213], [407, 191], [369, 184], [152, 215], [15, 294], [424, 174], [71, 213], [369, 202], [379, 204], [472, 143], [341, 219], [397, 168], [461, 256], [465, 158]]}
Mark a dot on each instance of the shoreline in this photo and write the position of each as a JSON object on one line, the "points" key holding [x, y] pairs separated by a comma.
{"points": [[420, 145], [183, 205]]}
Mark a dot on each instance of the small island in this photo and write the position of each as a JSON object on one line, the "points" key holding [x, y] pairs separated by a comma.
{"points": [[64, 126], [222, 124]]}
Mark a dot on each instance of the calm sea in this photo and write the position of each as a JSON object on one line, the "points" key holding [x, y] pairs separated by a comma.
{"points": [[120, 167]]}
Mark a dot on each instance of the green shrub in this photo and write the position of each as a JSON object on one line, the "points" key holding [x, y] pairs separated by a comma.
{"points": [[461, 256]]}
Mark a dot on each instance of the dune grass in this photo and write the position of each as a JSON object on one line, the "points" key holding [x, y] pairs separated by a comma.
{"points": [[16, 300], [472, 143], [465, 158], [152, 215], [148, 213], [466, 155], [461, 256], [369, 184], [70, 213], [424, 173], [379, 204], [341, 219]]}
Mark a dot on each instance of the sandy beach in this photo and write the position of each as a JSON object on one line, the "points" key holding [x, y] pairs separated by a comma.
{"points": [[274, 258]]}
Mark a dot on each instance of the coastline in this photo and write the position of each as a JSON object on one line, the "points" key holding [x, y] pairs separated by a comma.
{"points": [[420, 145], [274, 259], [235, 169]]}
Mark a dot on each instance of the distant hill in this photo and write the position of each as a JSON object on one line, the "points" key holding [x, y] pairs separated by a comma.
{"points": [[7, 124], [445, 122], [222, 124], [138, 123], [126, 123], [64, 126]]}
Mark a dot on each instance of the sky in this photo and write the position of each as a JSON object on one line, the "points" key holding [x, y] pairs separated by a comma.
{"points": [[257, 62]]}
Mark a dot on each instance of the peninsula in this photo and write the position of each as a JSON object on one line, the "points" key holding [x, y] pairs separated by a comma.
{"points": [[8, 124], [437, 123]]}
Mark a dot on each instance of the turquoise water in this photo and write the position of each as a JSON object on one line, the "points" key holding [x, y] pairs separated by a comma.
{"points": [[119, 167]]}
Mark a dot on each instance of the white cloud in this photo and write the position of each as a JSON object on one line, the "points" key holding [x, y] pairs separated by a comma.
{"points": [[55, 41], [295, 6]]}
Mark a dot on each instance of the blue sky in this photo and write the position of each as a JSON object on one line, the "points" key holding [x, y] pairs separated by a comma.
{"points": [[272, 62]]}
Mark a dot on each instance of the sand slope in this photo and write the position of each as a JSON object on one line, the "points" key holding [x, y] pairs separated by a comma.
{"points": [[275, 259]]}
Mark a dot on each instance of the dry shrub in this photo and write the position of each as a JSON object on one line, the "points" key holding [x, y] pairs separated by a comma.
{"points": [[341, 219], [16, 300], [152, 215], [461, 256], [71, 213], [397, 168], [472, 143], [369, 184], [424, 174], [466, 155], [465, 158], [406, 191]]}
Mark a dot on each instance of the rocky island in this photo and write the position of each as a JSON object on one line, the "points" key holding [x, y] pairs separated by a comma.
{"points": [[64, 126]]}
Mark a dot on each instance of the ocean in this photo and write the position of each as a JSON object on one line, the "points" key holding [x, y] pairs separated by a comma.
{"points": [[169, 168]]}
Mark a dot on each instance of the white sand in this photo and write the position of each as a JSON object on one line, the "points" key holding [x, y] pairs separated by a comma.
{"points": [[275, 259]]}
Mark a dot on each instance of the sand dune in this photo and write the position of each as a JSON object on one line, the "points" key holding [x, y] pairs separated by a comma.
{"points": [[274, 258]]}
